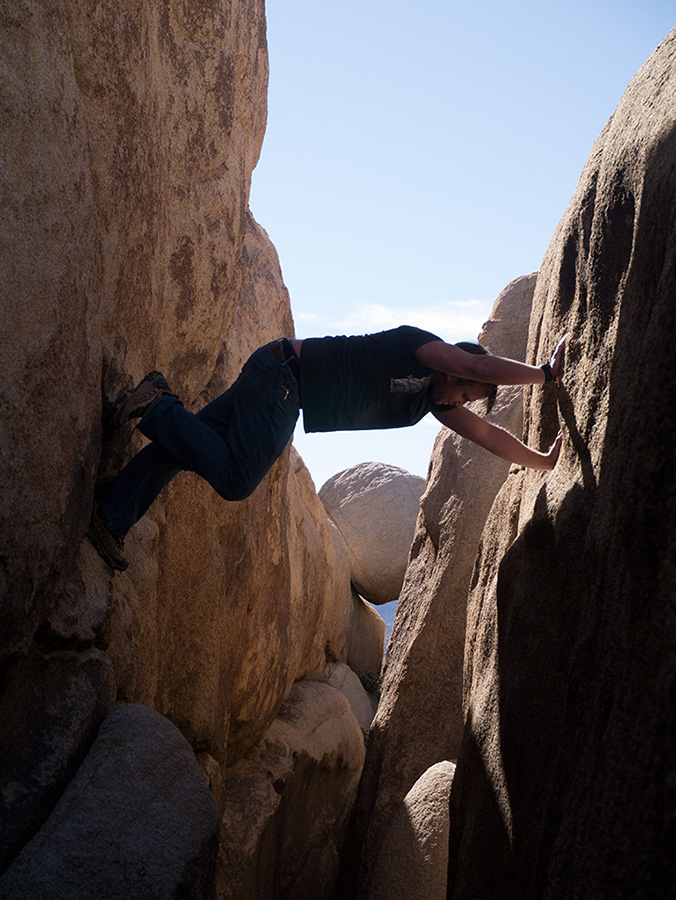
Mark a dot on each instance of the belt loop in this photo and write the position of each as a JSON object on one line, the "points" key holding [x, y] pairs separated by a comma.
{"points": [[291, 358]]}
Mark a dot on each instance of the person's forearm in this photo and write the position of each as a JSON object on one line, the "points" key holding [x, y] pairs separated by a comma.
{"points": [[503, 444], [503, 369], [490, 369], [498, 370], [498, 441]]}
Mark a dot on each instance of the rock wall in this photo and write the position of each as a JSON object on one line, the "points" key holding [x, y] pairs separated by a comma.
{"points": [[565, 781], [129, 135], [130, 138], [285, 809], [419, 718]]}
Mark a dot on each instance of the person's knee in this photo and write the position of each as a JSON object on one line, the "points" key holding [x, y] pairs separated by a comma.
{"points": [[237, 492], [234, 486]]}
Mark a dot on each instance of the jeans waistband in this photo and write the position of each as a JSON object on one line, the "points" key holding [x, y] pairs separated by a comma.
{"points": [[283, 349]]}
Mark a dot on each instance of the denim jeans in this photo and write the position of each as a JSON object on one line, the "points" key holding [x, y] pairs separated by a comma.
{"points": [[232, 442]]}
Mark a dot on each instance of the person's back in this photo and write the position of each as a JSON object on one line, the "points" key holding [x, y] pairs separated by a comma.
{"points": [[365, 381]]}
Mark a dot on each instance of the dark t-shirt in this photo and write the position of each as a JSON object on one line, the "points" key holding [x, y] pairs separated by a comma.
{"points": [[366, 381]]}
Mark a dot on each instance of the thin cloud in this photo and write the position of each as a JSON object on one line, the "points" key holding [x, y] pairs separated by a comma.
{"points": [[452, 320]]}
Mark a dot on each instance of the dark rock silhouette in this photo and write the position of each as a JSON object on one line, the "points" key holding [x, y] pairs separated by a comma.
{"points": [[565, 781]]}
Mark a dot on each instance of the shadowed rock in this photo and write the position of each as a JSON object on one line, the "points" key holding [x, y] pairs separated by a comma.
{"points": [[565, 781], [413, 859], [137, 821], [287, 800]]}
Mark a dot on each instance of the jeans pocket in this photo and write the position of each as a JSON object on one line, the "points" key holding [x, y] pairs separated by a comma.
{"points": [[258, 372]]}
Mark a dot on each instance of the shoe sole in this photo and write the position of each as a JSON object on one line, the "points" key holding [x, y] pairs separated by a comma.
{"points": [[142, 395], [105, 556]]}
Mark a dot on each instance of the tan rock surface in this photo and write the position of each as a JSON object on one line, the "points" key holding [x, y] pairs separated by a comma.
{"points": [[564, 785], [413, 859], [129, 137], [362, 704], [419, 718], [287, 800], [248, 597], [374, 506], [125, 198], [365, 638]]}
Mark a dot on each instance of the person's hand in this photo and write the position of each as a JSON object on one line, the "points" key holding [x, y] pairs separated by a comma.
{"points": [[552, 455], [557, 358]]}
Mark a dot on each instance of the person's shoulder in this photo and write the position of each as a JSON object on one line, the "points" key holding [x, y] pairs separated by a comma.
{"points": [[416, 335]]}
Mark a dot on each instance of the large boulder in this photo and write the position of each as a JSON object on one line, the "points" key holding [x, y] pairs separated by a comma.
{"points": [[50, 709], [565, 779], [362, 703], [413, 859], [136, 821], [128, 145], [365, 638], [287, 801], [417, 725], [248, 595], [125, 177], [374, 506]]}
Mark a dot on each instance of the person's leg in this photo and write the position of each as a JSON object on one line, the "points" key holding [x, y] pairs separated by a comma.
{"points": [[232, 442], [260, 414], [130, 494]]}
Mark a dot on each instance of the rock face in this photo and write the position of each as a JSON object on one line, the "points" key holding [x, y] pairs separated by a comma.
{"points": [[50, 709], [565, 780], [413, 859], [375, 506], [137, 821], [362, 704], [419, 719], [129, 136], [283, 799], [127, 154]]}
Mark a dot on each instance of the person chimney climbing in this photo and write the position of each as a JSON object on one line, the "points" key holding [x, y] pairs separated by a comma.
{"points": [[390, 379]]}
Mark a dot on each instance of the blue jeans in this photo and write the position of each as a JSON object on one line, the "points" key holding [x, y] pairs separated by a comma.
{"points": [[232, 442]]}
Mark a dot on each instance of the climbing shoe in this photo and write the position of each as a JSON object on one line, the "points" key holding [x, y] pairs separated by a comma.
{"points": [[109, 547], [134, 403]]}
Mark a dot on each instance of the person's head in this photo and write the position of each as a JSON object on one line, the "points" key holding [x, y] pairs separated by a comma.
{"points": [[455, 391], [491, 389]]}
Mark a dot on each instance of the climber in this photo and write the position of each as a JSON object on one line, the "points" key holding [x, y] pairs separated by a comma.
{"points": [[385, 380]]}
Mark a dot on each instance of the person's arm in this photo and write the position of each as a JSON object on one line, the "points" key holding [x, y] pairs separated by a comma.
{"points": [[491, 369], [498, 441]]}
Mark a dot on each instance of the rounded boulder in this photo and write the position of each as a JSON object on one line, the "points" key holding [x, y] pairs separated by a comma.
{"points": [[375, 506]]}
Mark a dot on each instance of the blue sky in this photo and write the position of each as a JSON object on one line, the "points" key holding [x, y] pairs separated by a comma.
{"points": [[418, 156]]}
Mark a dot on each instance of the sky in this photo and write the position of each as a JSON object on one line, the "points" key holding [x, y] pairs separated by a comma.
{"points": [[418, 157]]}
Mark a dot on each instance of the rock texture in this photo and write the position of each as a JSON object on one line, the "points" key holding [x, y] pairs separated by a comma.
{"points": [[50, 709], [129, 140], [374, 506], [362, 704], [565, 781], [419, 719], [136, 821], [365, 638], [284, 798], [129, 134], [413, 859]]}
